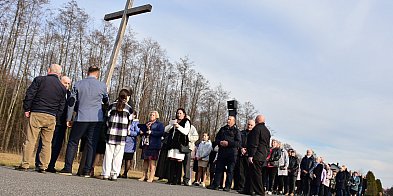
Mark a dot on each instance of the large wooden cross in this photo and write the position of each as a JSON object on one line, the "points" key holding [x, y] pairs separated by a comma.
{"points": [[124, 15]]}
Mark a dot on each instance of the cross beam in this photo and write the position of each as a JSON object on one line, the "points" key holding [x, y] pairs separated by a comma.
{"points": [[129, 12], [124, 15]]}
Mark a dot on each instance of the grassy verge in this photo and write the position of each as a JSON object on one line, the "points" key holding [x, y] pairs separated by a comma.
{"points": [[13, 160]]}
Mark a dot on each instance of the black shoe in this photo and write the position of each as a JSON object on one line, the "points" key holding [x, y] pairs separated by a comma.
{"points": [[227, 189], [123, 176], [213, 188], [86, 175], [20, 168], [185, 183], [243, 192], [65, 172], [51, 170], [42, 171]]}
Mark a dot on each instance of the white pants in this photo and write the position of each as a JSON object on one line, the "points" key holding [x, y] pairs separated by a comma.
{"points": [[112, 160]]}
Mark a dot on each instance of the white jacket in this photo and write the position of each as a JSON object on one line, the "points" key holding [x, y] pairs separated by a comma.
{"points": [[283, 163], [192, 137]]}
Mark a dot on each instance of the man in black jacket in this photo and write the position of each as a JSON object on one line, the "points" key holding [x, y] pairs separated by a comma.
{"points": [[305, 166], [43, 103], [228, 140], [257, 148]]}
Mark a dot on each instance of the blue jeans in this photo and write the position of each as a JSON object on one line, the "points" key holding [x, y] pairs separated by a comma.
{"points": [[91, 130], [57, 143], [229, 162]]}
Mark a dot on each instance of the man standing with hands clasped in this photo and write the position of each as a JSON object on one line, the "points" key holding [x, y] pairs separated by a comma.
{"points": [[228, 139], [257, 146]]}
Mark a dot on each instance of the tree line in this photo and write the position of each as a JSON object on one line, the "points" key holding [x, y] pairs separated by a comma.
{"points": [[33, 36]]}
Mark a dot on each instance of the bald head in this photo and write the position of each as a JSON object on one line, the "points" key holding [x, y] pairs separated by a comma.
{"points": [[55, 69], [260, 119], [309, 152], [250, 124], [66, 81]]}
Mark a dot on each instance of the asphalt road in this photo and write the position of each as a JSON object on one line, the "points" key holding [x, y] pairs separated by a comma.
{"points": [[13, 182]]}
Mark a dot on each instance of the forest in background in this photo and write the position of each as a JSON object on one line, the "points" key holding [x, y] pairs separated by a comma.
{"points": [[32, 37]]}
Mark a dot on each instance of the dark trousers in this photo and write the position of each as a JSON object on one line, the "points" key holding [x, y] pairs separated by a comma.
{"points": [[265, 179], [271, 174], [240, 172], [283, 183], [315, 188], [174, 171], [340, 192], [254, 182], [229, 162], [305, 184], [186, 168], [291, 183], [91, 130], [57, 143]]}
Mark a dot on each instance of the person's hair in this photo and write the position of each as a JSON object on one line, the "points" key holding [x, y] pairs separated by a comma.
{"points": [[183, 110], [135, 113], [155, 112], [207, 133], [122, 99], [93, 69], [55, 68]]}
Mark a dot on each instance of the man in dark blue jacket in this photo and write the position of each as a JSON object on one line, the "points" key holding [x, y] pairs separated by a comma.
{"points": [[228, 139], [43, 103], [59, 133]]}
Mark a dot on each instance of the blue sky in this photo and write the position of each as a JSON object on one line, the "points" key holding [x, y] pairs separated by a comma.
{"points": [[321, 71]]}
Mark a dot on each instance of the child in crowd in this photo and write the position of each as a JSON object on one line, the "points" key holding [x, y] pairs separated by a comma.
{"points": [[130, 146], [119, 120], [202, 155]]}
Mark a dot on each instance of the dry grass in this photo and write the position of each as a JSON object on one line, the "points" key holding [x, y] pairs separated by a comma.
{"points": [[12, 160]]}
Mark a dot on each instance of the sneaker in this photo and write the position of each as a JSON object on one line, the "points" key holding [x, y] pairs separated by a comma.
{"points": [[105, 177], [226, 189], [113, 177], [65, 172], [196, 184], [202, 184], [269, 192], [20, 168], [186, 183]]}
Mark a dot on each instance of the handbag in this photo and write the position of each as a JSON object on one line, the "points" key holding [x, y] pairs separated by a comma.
{"points": [[184, 149]]}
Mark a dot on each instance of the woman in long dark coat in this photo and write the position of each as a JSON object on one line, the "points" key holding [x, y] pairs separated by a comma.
{"points": [[162, 170]]}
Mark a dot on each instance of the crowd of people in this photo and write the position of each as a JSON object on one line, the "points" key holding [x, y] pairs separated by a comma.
{"points": [[248, 161]]}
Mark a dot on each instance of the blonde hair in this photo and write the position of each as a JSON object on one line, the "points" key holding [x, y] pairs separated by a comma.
{"points": [[156, 113]]}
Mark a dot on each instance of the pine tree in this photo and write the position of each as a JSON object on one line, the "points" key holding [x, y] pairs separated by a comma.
{"points": [[371, 184], [379, 186]]}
